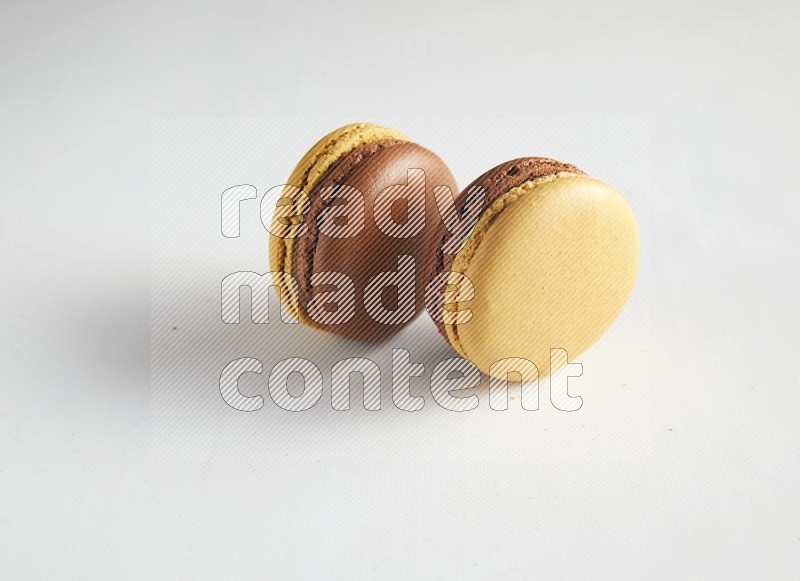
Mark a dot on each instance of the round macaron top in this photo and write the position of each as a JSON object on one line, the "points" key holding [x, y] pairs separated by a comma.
{"points": [[552, 259], [493, 185]]}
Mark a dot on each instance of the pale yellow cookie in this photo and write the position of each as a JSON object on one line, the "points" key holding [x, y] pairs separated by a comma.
{"points": [[552, 259]]}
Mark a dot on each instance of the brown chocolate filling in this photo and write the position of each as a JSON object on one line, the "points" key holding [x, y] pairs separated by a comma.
{"points": [[337, 174]]}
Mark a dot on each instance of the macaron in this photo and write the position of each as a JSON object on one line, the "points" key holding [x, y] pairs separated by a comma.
{"points": [[351, 233], [548, 262]]}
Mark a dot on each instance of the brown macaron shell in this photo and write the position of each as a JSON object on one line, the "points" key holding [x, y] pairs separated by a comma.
{"points": [[370, 169], [494, 184]]}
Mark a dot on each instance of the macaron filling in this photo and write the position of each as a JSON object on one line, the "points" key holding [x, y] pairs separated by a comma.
{"points": [[312, 167], [337, 175]]}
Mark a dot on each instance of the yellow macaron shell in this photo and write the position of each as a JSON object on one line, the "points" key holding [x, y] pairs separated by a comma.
{"points": [[311, 168], [553, 262]]}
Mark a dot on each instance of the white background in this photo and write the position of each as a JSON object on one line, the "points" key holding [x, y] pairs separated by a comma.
{"points": [[689, 470]]}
